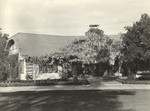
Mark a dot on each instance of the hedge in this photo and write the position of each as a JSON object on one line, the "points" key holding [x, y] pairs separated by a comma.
{"points": [[134, 81], [14, 83]]}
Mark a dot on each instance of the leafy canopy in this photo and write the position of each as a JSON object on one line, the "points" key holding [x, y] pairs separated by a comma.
{"points": [[3, 57], [95, 48], [136, 41]]}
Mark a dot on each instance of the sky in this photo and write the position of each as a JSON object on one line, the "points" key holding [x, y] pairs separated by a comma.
{"points": [[69, 17]]}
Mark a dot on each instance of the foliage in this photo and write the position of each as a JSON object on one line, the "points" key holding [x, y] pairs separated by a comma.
{"points": [[47, 62], [133, 81], [136, 45], [8, 64], [4, 71], [13, 66], [95, 48], [136, 41], [3, 39], [3, 58]]}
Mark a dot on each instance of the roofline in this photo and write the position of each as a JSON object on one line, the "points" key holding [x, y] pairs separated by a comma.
{"points": [[13, 36], [54, 35], [47, 35]]}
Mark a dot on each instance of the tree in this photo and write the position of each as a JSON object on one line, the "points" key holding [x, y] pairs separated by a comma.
{"points": [[3, 39], [4, 71], [91, 49], [95, 49], [136, 43]]}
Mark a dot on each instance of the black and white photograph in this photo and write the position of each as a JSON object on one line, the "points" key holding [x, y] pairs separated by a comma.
{"points": [[74, 55]]}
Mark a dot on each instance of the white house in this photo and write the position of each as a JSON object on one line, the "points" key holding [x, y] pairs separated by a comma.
{"points": [[27, 44]]}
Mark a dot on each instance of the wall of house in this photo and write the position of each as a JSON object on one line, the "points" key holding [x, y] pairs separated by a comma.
{"points": [[27, 70], [32, 71], [13, 50], [22, 69]]}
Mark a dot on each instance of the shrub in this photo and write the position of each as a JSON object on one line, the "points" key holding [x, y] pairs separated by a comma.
{"points": [[84, 81], [75, 79], [131, 77], [43, 82]]}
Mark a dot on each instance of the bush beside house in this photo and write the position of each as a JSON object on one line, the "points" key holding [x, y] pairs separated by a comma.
{"points": [[8, 64]]}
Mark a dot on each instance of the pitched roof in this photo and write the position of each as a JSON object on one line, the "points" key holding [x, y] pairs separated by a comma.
{"points": [[40, 44], [115, 37]]}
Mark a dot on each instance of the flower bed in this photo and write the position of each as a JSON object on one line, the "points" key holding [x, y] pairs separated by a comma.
{"points": [[16, 83], [134, 81]]}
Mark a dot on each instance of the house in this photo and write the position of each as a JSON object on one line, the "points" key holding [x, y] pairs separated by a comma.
{"points": [[27, 44]]}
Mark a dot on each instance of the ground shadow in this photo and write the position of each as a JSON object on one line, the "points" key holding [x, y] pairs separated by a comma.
{"points": [[63, 101]]}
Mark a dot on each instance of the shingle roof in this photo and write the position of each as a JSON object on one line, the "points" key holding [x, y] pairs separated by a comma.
{"points": [[115, 37], [40, 44]]}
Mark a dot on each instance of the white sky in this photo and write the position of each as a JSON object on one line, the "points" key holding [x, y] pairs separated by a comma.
{"points": [[69, 17]]}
